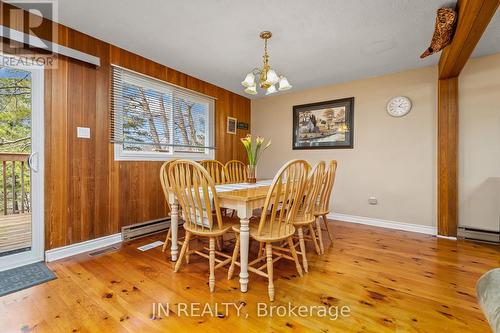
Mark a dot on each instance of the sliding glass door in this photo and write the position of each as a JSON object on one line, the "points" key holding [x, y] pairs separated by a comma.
{"points": [[21, 165]]}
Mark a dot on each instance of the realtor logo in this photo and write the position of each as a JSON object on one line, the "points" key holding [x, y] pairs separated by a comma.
{"points": [[28, 27]]}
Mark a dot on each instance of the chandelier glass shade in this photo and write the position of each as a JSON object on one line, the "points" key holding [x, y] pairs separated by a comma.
{"points": [[266, 76]]}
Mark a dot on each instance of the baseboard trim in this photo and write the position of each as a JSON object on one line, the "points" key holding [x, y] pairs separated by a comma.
{"points": [[384, 223], [74, 249]]}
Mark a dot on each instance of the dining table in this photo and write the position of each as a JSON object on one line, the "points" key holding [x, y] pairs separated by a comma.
{"points": [[243, 198]]}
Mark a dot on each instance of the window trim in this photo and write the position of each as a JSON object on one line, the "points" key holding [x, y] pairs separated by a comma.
{"points": [[122, 155]]}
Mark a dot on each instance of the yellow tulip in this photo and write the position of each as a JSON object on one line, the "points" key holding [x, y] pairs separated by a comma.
{"points": [[254, 152]]}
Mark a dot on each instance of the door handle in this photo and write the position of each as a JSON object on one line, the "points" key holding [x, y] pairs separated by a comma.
{"points": [[30, 162]]}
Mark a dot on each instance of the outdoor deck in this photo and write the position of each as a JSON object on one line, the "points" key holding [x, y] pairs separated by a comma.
{"points": [[15, 215], [15, 232]]}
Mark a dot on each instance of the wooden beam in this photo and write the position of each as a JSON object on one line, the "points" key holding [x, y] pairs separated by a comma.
{"points": [[448, 157], [473, 18]]}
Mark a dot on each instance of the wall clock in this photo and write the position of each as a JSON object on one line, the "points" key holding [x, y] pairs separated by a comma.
{"points": [[399, 106]]}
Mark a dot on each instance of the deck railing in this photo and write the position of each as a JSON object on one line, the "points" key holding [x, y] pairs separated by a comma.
{"points": [[14, 183]]}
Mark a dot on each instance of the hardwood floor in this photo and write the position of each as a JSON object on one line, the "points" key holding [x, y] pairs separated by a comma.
{"points": [[392, 281]]}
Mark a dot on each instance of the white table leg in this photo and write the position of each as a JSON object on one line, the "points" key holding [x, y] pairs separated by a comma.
{"points": [[244, 214], [174, 224]]}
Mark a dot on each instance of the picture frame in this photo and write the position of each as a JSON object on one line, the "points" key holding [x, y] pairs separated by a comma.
{"points": [[242, 125], [231, 125], [324, 125]]}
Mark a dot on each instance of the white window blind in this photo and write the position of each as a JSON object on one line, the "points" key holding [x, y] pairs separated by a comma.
{"points": [[151, 118]]}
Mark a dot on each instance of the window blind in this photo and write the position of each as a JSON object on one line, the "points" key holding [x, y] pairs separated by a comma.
{"points": [[152, 115]]}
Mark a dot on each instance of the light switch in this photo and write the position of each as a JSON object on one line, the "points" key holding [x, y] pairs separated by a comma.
{"points": [[83, 132]]}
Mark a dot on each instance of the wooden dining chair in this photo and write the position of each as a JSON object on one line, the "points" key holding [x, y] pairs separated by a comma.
{"points": [[305, 218], [276, 225], [322, 208], [216, 170], [165, 184], [219, 173], [195, 190], [236, 171]]}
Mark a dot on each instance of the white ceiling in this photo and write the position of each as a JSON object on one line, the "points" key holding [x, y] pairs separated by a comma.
{"points": [[314, 42]]}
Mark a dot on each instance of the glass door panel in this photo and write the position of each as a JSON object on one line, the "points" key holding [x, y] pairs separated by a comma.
{"points": [[21, 180]]}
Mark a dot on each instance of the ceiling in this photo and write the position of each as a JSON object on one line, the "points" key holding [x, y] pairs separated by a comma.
{"points": [[314, 42]]}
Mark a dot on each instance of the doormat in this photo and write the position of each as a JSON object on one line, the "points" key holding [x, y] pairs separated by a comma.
{"points": [[23, 277]]}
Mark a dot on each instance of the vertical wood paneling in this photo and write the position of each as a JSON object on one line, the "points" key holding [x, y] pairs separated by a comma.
{"points": [[56, 156], [105, 203], [87, 193]]}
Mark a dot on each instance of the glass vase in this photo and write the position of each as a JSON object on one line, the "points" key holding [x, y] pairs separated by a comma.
{"points": [[251, 174]]}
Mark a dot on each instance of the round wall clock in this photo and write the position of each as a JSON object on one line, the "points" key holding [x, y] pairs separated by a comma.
{"points": [[399, 106]]}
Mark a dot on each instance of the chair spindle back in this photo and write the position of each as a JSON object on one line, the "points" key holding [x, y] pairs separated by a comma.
{"points": [[326, 189], [165, 184], [216, 170], [284, 197], [196, 194], [312, 189], [236, 171]]}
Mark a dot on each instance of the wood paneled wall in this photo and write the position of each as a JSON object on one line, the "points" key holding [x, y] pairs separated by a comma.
{"points": [[87, 193]]}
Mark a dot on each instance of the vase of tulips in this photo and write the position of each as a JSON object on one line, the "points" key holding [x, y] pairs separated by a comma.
{"points": [[254, 152]]}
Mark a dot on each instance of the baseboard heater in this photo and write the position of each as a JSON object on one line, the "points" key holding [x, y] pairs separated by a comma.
{"points": [[479, 234], [144, 229]]}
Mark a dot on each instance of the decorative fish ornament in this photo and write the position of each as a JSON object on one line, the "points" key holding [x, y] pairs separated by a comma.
{"points": [[443, 32]]}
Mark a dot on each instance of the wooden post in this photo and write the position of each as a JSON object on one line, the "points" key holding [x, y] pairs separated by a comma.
{"points": [[14, 187], [473, 18], [4, 187], [448, 157], [22, 186]]}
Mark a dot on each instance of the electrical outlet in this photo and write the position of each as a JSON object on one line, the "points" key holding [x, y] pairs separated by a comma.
{"points": [[372, 200], [83, 132]]}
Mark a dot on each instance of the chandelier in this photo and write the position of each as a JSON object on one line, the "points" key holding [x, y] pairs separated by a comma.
{"points": [[268, 78]]}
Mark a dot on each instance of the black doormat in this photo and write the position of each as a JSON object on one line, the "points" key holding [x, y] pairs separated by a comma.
{"points": [[23, 277]]}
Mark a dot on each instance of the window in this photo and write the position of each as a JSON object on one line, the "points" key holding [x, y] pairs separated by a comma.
{"points": [[154, 120]]}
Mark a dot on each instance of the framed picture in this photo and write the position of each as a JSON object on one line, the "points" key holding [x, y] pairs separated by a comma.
{"points": [[324, 125], [242, 125], [231, 125]]}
